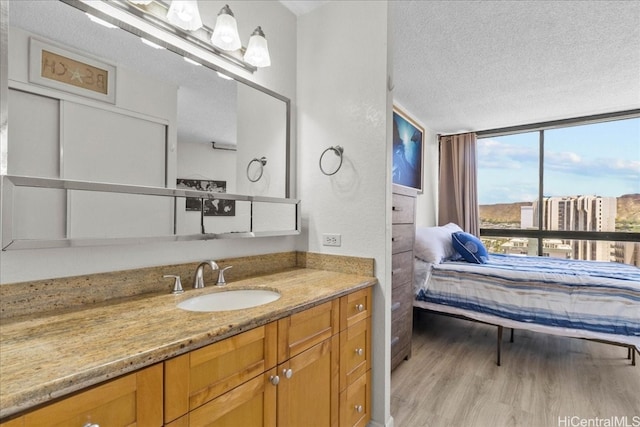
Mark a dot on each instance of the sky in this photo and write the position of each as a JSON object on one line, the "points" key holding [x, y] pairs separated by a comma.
{"points": [[600, 159]]}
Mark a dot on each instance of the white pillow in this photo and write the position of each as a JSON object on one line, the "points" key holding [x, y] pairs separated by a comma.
{"points": [[433, 244]]}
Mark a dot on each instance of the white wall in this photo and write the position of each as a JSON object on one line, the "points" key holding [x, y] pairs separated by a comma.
{"points": [[427, 202], [342, 100], [261, 133], [279, 25]]}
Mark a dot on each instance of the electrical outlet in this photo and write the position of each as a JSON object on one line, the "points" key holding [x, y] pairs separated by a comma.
{"points": [[331, 239]]}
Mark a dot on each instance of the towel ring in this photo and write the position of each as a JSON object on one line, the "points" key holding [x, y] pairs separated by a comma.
{"points": [[262, 161], [338, 151]]}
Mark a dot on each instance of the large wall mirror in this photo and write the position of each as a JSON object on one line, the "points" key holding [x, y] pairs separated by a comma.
{"points": [[163, 123]]}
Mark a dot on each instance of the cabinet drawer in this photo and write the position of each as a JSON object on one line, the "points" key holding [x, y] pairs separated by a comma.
{"points": [[355, 403], [402, 210], [250, 404], [401, 302], [303, 330], [402, 268], [134, 399], [355, 307], [401, 326], [204, 374], [355, 352], [402, 237]]}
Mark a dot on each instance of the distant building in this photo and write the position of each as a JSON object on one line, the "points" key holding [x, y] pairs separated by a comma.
{"points": [[553, 248], [526, 217], [627, 253], [581, 213], [571, 213]]}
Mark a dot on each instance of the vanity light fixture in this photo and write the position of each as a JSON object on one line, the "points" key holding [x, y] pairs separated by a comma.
{"points": [[257, 53], [185, 14], [182, 18], [225, 33]]}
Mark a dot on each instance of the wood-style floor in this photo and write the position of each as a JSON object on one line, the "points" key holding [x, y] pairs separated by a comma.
{"points": [[452, 379]]}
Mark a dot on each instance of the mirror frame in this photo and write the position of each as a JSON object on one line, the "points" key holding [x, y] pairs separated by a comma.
{"points": [[161, 35]]}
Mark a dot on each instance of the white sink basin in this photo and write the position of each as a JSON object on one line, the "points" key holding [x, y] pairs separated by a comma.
{"points": [[229, 300]]}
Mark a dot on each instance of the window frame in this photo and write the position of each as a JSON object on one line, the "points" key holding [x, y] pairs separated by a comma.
{"points": [[539, 233]]}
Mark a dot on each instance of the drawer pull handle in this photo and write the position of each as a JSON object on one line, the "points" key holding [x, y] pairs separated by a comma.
{"points": [[395, 306], [359, 308], [90, 424], [274, 379], [394, 341], [359, 409], [288, 373], [396, 239], [397, 208], [396, 271], [359, 351]]}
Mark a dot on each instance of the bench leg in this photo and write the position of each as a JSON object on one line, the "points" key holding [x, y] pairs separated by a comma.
{"points": [[499, 344]]}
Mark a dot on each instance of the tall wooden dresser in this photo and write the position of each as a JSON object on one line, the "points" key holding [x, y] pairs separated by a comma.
{"points": [[403, 236]]}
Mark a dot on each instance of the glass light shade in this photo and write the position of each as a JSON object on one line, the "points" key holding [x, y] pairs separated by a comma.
{"points": [[257, 53], [184, 14], [225, 33]]}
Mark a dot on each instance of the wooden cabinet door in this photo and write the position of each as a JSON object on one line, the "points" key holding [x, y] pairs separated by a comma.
{"points": [[355, 307], [355, 402], [250, 404], [355, 352], [308, 389], [134, 399], [301, 331], [202, 375]]}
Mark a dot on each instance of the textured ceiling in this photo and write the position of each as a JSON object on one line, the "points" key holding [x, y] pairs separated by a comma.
{"points": [[477, 65]]}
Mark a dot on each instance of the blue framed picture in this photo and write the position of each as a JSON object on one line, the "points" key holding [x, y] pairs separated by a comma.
{"points": [[408, 139]]}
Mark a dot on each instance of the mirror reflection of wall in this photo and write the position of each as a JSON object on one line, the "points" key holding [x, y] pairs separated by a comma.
{"points": [[207, 105], [160, 127]]}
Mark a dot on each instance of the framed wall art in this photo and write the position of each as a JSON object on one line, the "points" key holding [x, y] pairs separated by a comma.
{"points": [[62, 69], [213, 207], [408, 145]]}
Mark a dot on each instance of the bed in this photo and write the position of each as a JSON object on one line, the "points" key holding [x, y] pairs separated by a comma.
{"points": [[582, 299]]}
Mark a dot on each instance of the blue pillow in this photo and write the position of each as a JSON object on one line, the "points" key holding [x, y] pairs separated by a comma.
{"points": [[470, 247]]}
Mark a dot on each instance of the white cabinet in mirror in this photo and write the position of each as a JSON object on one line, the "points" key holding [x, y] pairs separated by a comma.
{"points": [[82, 170]]}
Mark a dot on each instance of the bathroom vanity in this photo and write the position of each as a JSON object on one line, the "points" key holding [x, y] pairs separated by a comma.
{"points": [[305, 357]]}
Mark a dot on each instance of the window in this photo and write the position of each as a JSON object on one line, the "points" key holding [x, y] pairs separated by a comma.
{"points": [[569, 192]]}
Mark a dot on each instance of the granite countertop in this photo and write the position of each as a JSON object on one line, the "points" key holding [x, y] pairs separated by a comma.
{"points": [[46, 356]]}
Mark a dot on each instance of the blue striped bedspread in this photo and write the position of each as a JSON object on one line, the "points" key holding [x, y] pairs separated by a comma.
{"points": [[587, 295]]}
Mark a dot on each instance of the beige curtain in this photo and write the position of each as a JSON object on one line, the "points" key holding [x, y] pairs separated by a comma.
{"points": [[458, 189]]}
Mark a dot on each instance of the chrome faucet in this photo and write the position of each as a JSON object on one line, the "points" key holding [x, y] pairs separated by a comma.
{"points": [[198, 278], [221, 279]]}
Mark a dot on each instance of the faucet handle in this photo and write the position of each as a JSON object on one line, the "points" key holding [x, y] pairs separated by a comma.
{"points": [[177, 284], [221, 281]]}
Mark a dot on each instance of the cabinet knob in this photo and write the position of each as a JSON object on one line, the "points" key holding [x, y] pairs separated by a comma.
{"points": [[359, 307], [274, 379], [288, 373], [359, 409], [359, 351]]}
